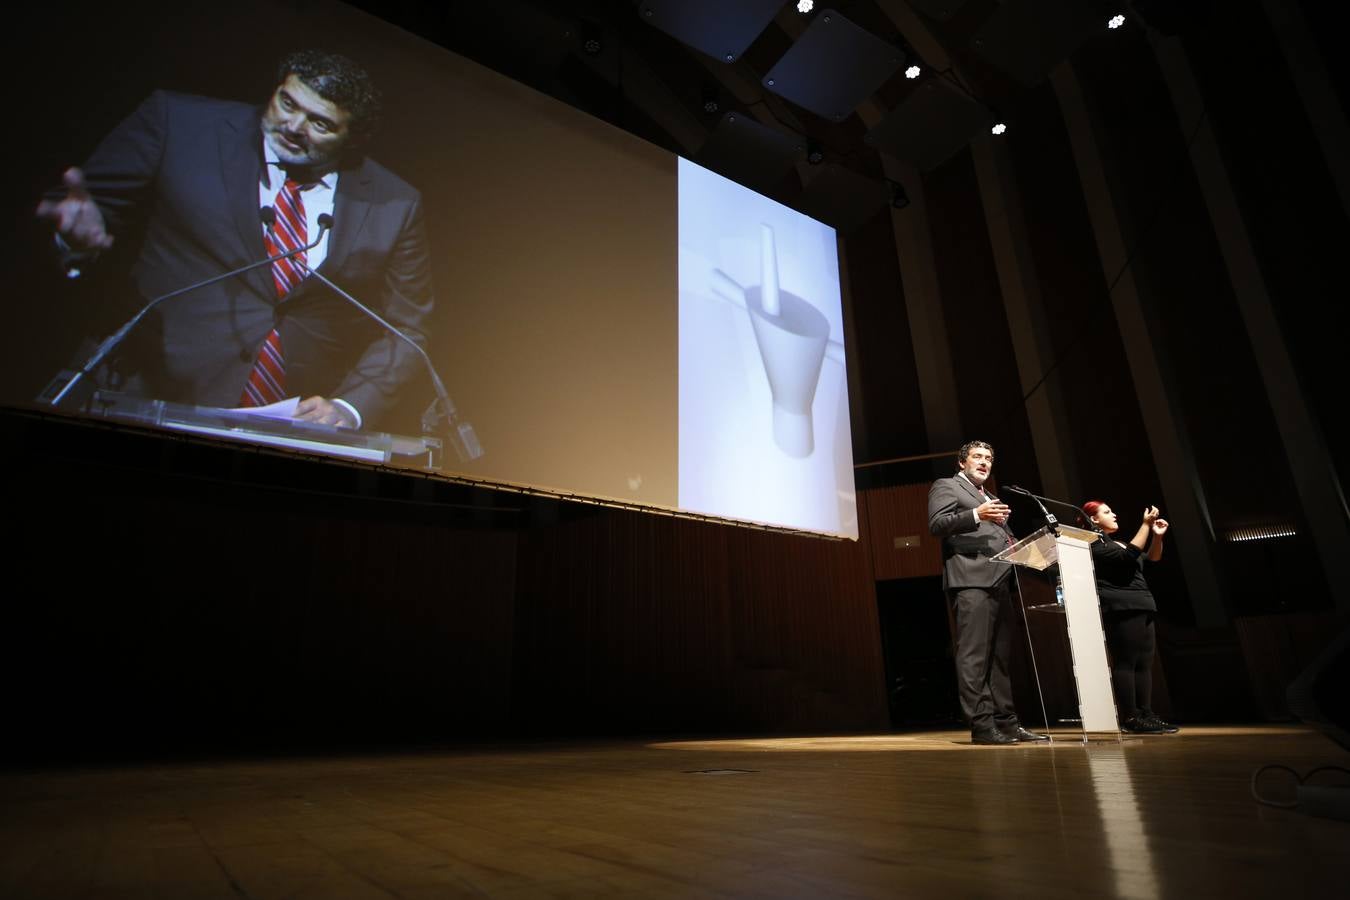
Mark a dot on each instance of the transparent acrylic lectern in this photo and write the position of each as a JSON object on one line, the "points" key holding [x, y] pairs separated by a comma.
{"points": [[420, 452], [1071, 549]]}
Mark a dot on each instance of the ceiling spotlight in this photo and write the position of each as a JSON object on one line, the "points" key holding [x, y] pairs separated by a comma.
{"points": [[710, 100], [592, 39], [805, 6], [913, 72], [815, 153], [999, 128], [1115, 22]]}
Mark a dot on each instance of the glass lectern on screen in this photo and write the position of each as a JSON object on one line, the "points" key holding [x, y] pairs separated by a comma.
{"points": [[606, 320]]}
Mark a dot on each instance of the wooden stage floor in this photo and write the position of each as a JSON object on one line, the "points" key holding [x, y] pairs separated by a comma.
{"points": [[914, 815]]}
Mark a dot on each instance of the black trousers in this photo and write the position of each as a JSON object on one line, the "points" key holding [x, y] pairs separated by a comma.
{"points": [[984, 629], [1130, 638]]}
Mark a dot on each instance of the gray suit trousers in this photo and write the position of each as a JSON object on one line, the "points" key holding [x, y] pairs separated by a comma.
{"points": [[984, 629]]}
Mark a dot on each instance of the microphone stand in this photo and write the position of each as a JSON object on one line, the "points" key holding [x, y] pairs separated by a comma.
{"points": [[461, 434], [1049, 517], [120, 335]]}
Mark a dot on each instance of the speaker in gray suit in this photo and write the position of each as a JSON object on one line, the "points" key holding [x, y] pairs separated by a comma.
{"points": [[201, 175], [973, 526]]}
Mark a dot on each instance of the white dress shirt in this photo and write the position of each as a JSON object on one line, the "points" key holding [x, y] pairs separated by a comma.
{"points": [[318, 201]]}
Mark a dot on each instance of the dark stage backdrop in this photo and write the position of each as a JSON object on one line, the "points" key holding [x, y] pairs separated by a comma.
{"points": [[148, 614]]}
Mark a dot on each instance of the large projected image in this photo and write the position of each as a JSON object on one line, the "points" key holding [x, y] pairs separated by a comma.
{"points": [[207, 225], [237, 259], [361, 245], [764, 430]]}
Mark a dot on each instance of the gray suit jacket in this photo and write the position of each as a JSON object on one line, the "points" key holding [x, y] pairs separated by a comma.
{"points": [[189, 166], [967, 544]]}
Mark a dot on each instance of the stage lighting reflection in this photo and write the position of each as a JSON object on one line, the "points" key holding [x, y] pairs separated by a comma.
{"points": [[1131, 858]]}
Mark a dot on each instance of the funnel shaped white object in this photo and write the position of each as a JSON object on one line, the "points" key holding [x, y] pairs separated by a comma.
{"points": [[768, 271], [792, 345]]}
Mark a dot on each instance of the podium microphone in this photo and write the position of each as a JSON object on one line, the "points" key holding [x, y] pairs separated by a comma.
{"points": [[1078, 513], [461, 434], [120, 335], [1049, 516]]}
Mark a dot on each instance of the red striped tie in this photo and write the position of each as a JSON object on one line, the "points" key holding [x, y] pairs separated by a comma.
{"points": [[267, 382]]}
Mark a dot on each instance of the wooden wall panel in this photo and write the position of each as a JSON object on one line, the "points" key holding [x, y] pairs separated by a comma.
{"points": [[628, 622], [900, 512]]}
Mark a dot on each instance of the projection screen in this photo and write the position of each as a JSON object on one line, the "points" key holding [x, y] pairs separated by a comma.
{"points": [[609, 321]]}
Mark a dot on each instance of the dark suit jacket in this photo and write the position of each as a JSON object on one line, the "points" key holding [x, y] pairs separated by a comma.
{"points": [[966, 543], [190, 166]]}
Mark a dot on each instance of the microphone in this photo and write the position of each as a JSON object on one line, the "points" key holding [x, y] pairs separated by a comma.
{"points": [[268, 215], [1078, 513], [461, 434], [1049, 516]]}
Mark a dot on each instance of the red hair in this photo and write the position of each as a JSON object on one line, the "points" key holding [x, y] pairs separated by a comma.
{"points": [[1090, 508]]}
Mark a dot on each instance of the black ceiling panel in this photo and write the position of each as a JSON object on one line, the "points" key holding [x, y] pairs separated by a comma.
{"points": [[934, 122], [720, 29], [1027, 38], [749, 153], [842, 198], [833, 67]]}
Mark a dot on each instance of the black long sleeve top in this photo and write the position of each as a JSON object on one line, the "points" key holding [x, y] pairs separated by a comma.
{"points": [[1120, 576]]}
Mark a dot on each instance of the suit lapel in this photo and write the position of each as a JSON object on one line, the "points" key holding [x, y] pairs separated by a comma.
{"points": [[970, 489], [350, 208], [241, 168]]}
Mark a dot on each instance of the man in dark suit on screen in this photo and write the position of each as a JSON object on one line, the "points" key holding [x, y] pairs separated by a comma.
{"points": [[219, 185], [973, 526]]}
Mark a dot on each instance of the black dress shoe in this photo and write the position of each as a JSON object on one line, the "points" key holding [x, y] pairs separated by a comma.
{"points": [[1167, 727], [1026, 737], [990, 736]]}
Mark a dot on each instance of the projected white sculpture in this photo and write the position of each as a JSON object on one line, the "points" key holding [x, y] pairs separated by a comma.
{"points": [[764, 434], [793, 338]]}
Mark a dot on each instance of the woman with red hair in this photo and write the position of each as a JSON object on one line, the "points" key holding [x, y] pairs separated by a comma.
{"points": [[1128, 611]]}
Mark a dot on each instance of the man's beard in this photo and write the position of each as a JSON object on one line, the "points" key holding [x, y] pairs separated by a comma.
{"points": [[307, 157]]}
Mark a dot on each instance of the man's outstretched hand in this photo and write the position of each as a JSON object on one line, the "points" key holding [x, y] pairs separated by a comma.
{"points": [[993, 511], [76, 217]]}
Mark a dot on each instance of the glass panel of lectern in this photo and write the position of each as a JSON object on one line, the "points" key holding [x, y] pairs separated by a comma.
{"points": [[420, 452], [1071, 549]]}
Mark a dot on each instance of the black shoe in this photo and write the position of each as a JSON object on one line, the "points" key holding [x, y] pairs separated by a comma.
{"points": [[990, 736], [1026, 737], [1167, 727], [1137, 725]]}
